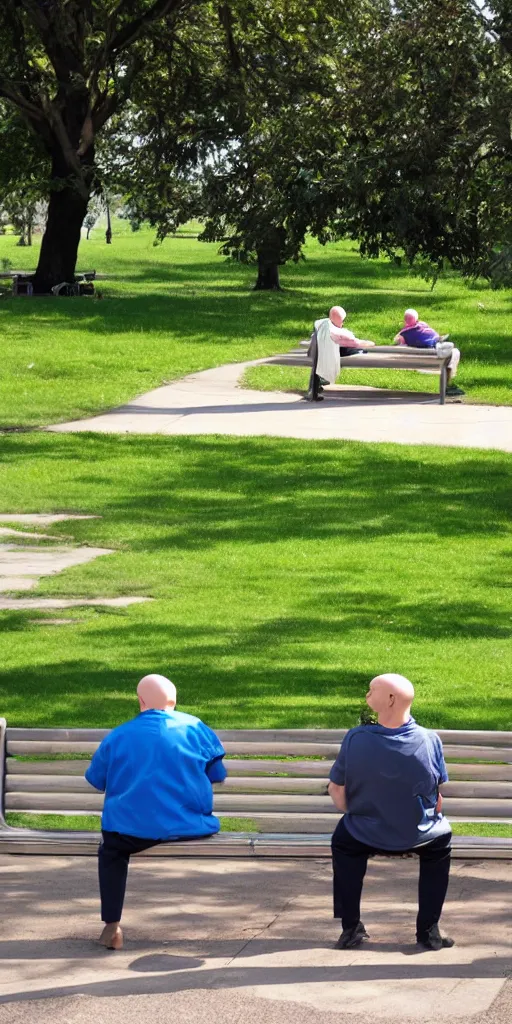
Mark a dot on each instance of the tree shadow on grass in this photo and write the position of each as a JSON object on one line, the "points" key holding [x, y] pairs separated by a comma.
{"points": [[249, 490]]}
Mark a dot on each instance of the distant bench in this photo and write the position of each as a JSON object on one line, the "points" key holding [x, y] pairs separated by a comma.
{"points": [[286, 800], [380, 357], [22, 283]]}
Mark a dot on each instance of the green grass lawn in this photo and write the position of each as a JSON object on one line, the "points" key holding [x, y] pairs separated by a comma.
{"points": [[285, 574], [91, 823], [179, 307]]}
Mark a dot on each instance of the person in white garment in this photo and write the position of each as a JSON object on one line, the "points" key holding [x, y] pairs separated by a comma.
{"points": [[334, 342]]}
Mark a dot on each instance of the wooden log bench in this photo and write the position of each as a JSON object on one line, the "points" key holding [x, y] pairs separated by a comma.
{"points": [[277, 779], [380, 357]]}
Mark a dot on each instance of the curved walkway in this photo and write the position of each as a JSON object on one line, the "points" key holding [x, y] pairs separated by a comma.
{"points": [[211, 402]]}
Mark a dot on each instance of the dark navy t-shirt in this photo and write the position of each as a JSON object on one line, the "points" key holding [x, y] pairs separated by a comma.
{"points": [[391, 779]]}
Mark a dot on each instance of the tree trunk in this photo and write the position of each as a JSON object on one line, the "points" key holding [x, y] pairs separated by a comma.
{"points": [[59, 248], [268, 276], [108, 232]]}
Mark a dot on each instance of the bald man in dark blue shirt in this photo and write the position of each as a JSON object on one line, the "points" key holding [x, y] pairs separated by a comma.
{"points": [[386, 779]]}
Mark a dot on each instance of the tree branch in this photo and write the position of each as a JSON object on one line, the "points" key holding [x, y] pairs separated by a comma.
{"points": [[486, 22], [11, 92], [106, 105], [131, 32]]}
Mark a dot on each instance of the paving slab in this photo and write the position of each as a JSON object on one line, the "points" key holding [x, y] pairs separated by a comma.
{"points": [[32, 603], [211, 402], [30, 563], [41, 519], [242, 940], [9, 531]]}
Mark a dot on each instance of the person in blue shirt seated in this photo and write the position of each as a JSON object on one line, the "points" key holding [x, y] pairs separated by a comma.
{"points": [[386, 780], [156, 772], [418, 334]]}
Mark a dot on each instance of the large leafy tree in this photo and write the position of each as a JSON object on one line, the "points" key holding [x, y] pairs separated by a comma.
{"points": [[68, 67], [264, 191], [429, 138]]}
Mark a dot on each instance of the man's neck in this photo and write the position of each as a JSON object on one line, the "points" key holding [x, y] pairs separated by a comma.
{"points": [[394, 719]]}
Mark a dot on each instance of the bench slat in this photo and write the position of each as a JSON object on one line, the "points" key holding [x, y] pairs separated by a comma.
{"points": [[31, 841], [28, 748], [370, 361], [326, 750], [15, 767], [247, 804], [480, 772], [478, 753], [77, 784], [43, 783], [310, 769]]}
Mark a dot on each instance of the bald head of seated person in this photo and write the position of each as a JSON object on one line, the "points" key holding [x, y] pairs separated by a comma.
{"points": [[386, 779], [339, 333], [156, 771]]}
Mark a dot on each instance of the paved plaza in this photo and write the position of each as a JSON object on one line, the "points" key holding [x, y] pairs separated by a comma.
{"points": [[244, 940], [211, 402]]}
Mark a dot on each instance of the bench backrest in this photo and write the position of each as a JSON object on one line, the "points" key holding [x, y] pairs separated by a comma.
{"points": [[277, 777]]}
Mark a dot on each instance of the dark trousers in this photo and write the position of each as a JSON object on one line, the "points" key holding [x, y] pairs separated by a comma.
{"points": [[349, 862], [113, 858], [314, 380]]}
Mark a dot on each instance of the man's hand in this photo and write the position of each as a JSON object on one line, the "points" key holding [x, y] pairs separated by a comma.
{"points": [[337, 795]]}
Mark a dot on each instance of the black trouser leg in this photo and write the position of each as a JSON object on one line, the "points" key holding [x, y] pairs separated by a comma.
{"points": [[113, 858], [433, 881], [349, 862]]}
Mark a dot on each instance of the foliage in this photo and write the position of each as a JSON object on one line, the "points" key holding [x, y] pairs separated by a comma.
{"points": [[429, 137], [68, 68], [367, 716]]}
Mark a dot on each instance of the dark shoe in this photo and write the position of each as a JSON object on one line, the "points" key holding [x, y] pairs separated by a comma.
{"points": [[453, 390], [322, 381], [350, 938], [432, 939], [310, 397]]}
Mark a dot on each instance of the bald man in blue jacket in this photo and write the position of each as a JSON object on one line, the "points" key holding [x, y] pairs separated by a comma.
{"points": [[156, 772]]}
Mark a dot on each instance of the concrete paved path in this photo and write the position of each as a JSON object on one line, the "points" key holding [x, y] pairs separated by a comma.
{"points": [[212, 403], [21, 568], [251, 941]]}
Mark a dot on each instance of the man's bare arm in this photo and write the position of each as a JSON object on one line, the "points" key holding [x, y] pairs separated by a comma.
{"points": [[439, 804], [337, 795]]}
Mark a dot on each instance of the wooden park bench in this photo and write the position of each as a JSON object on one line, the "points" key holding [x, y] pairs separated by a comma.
{"points": [[381, 357], [286, 800]]}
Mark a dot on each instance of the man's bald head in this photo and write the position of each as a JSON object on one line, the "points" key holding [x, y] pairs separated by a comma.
{"points": [[337, 315], [156, 693], [391, 696]]}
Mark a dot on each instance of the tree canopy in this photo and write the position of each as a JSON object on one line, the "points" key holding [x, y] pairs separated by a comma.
{"points": [[389, 121]]}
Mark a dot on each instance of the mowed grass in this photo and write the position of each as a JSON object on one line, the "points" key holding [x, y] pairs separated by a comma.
{"points": [[92, 823], [285, 575], [173, 309]]}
